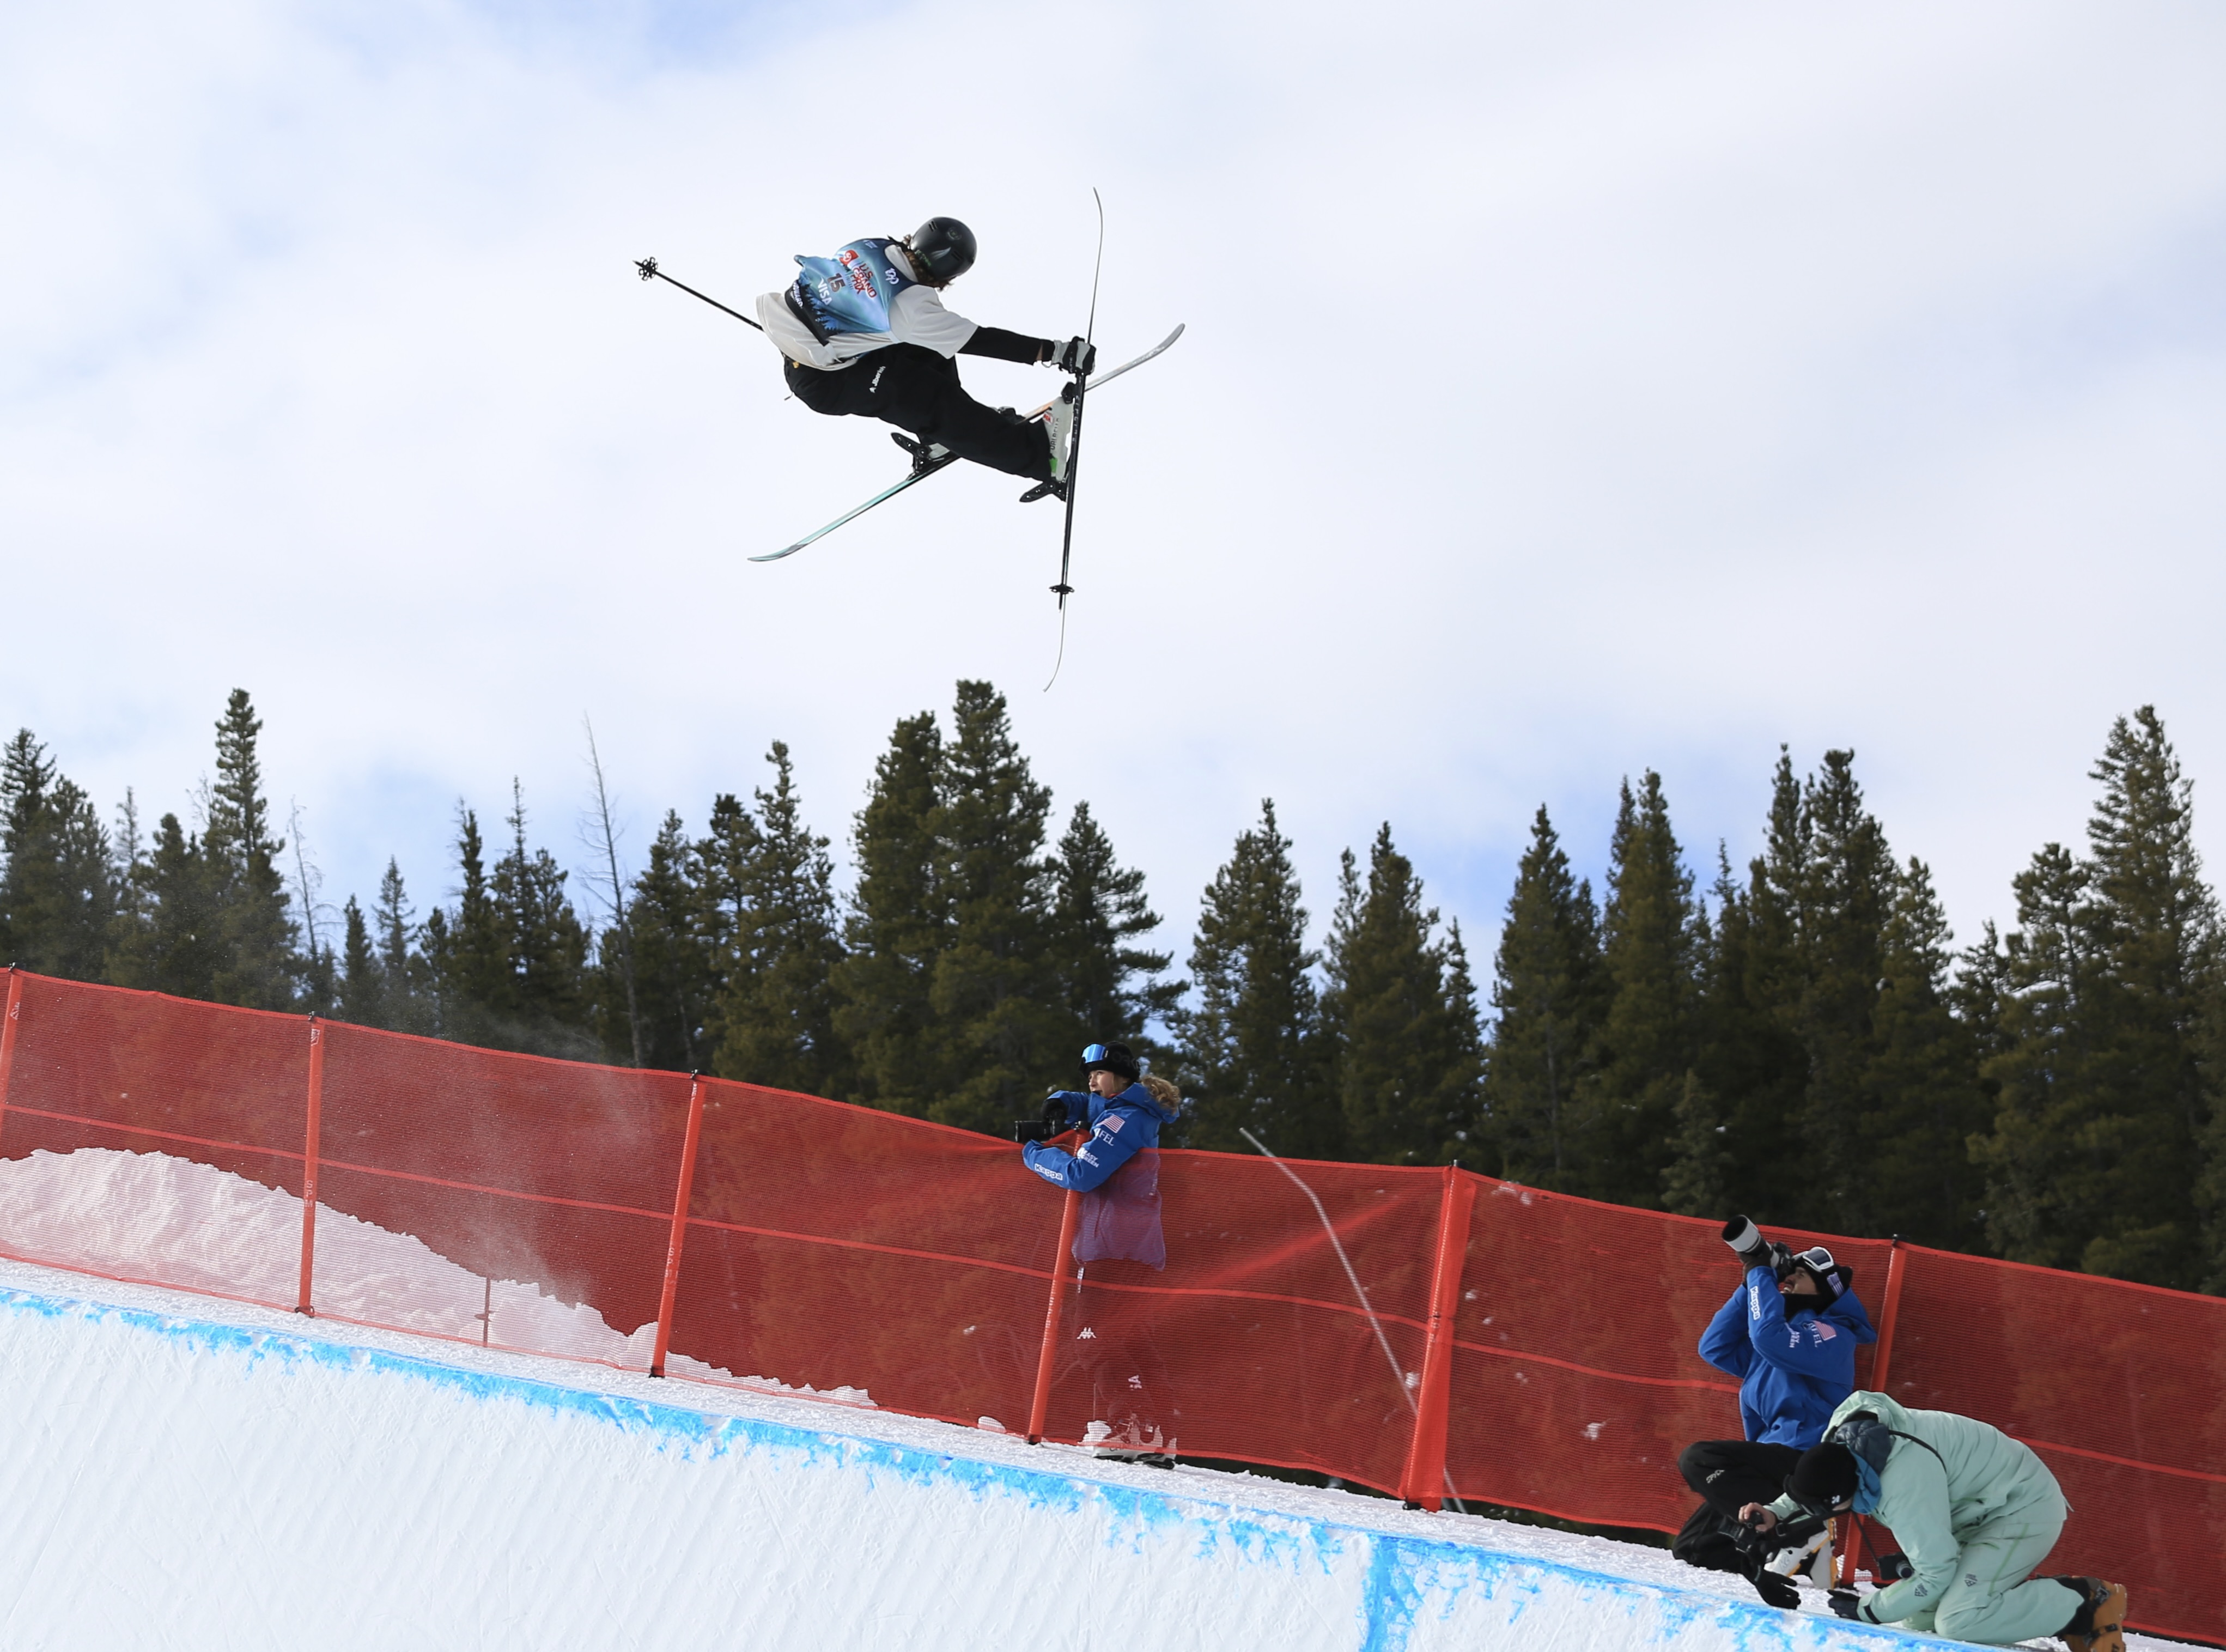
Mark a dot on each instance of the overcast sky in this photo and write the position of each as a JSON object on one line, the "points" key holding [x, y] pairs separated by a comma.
{"points": [[1569, 389]]}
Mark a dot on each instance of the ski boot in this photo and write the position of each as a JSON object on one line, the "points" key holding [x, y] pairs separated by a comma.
{"points": [[1059, 425], [2099, 1625]]}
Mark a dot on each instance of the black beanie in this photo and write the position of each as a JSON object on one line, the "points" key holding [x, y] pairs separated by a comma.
{"points": [[1824, 1477], [1116, 1058]]}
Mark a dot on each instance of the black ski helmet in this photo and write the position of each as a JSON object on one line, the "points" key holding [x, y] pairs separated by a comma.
{"points": [[943, 248]]}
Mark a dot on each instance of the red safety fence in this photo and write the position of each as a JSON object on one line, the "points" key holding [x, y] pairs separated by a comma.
{"points": [[1426, 1332]]}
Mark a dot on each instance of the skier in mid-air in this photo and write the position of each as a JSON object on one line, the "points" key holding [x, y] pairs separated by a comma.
{"points": [[865, 333]]}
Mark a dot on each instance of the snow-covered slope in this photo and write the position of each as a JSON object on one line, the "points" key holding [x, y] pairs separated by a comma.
{"points": [[181, 1472], [178, 1477]]}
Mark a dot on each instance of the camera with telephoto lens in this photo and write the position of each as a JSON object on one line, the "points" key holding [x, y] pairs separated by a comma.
{"points": [[1755, 1251], [1053, 1122]]}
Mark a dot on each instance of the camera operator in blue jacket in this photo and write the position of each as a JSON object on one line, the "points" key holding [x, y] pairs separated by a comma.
{"points": [[1118, 1240], [1788, 1332]]}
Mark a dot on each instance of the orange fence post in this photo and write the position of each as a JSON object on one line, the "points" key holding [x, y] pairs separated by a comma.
{"points": [[1897, 1264], [679, 1225], [1047, 1361], [8, 1035], [309, 1144], [1422, 1482]]}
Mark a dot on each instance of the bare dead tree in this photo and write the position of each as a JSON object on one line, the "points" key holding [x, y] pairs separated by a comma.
{"points": [[605, 837]]}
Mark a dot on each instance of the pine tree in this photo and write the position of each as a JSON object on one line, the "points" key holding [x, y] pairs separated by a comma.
{"points": [[547, 1002], [1697, 1179], [675, 973], [177, 948], [1754, 1067], [897, 926], [467, 955], [258, 966], [1108, 983], [58, 887], [361, 990], [407, 992], [997, 1026], [2095, 1159], [1407, 1074], [1922, 1096], [1253, 1051], [1788, 1031], [775, 1019], [1846, 893], [1467, 1148], [1549, 992], [1652, 937]]}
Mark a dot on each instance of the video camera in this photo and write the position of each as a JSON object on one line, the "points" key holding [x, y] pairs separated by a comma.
{"points": [[1053, 1122]]}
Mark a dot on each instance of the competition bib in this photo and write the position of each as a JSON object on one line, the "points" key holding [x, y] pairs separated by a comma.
{"points": [[851, 292]]}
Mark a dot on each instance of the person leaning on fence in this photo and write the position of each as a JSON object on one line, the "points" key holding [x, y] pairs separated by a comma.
{"points": [[1788, 1332], [1974, 1512], [1114, 1166]]}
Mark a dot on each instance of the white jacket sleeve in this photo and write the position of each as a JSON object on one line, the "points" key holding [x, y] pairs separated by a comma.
{"points": [[918, 317]]}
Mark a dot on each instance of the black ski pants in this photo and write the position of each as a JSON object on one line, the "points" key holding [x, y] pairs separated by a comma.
{"points": [[1728, 1475], [1733, 1473], [916, 390]]}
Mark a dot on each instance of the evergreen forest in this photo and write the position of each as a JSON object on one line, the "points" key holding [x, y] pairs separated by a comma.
{"points": [[1799, 1038]]}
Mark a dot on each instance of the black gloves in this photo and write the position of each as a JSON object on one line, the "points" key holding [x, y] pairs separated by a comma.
{"points": [[1776, 1590], [1075, 356], [1848, 1604]]}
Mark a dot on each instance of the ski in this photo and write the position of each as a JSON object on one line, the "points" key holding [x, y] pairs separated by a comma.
{"points": [[928, 459]]}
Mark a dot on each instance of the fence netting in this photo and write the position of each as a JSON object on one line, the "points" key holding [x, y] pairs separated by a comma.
{"points": [[1225, 1307]]}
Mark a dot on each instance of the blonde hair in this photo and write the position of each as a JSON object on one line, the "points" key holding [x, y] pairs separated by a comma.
{"points": [[1162, 1091]]}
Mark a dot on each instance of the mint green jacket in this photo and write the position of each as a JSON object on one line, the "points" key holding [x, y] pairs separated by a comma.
{"points": [[1936, 1505]]}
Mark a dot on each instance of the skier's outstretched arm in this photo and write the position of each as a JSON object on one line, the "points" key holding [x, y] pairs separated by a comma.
{"points": [[998, 345]]}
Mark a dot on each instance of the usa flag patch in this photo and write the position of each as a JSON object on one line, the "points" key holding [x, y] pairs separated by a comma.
{"points": [[1824, 1332]]}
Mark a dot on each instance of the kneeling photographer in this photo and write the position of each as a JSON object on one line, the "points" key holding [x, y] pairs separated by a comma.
{"points": [[1788, 1332]]}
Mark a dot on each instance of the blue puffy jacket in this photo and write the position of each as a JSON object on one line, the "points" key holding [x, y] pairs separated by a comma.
{"points": [[1792, 1371], [1116, 1168]]}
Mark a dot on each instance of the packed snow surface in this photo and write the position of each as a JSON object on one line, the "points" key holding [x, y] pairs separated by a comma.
{"points": [[185, 1473]]}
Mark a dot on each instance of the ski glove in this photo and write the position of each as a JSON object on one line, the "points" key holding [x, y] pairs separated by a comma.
{"points": [[1775, 1591], [1075, 356], [1848, 1604]]}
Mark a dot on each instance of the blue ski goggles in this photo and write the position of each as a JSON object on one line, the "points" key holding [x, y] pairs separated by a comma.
{"points": [[1095, 1052]]}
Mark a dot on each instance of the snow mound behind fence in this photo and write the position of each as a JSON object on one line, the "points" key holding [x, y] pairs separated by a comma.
{"points": [[194, 1483]]}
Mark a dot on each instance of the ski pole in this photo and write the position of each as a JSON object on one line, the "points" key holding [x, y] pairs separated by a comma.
{"points": [[1074, 392], [648, 268]]}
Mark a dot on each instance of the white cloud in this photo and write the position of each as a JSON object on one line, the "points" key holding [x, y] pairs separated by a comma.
{"points": [[1565, 393]]}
